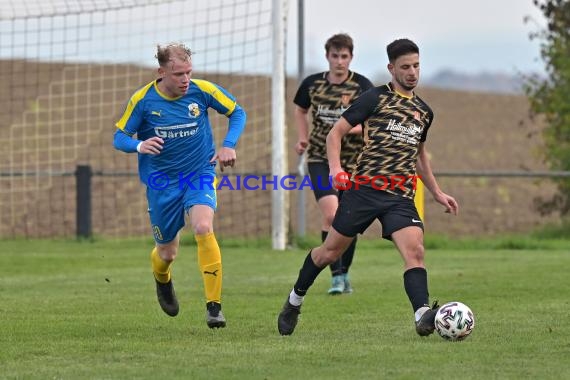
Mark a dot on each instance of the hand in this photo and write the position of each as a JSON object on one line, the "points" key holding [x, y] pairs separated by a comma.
{"points": [[450, 204], [301, 146], [340, 178], [152, 145], [226, 156]]}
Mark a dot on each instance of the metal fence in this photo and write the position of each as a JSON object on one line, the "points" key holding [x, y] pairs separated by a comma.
{"points": [[85, 203]]}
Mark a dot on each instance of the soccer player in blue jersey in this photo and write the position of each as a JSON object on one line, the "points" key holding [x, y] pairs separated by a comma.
{"points": [[177, 158]]}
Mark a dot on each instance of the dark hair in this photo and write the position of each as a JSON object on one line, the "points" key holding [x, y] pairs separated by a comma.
{"points": [[173, 50], [401, 47], [340, 41]]}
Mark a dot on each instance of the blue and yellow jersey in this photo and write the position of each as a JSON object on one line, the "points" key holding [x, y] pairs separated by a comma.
{"points": [[181, 122]]}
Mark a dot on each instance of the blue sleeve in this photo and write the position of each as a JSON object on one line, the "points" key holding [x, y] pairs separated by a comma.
{"points": [[235, 127], [124, 142]]}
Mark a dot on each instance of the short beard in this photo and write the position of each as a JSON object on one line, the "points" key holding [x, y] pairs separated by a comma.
{"points": [[405, 86]]}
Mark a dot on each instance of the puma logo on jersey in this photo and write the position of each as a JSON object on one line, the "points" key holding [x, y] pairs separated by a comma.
{"points": [[156, 113], [214, 273]]}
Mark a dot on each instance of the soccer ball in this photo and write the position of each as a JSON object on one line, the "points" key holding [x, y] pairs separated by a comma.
{"points": [[454, 321]]}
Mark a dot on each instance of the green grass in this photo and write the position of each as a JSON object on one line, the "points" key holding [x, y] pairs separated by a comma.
{"points": [[87, 310]]}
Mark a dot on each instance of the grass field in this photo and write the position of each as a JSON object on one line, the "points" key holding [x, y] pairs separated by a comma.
{"points": [[87, 310]]}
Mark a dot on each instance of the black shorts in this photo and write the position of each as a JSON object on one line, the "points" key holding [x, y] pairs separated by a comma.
{"points": [[322, 185], [358, 209]]}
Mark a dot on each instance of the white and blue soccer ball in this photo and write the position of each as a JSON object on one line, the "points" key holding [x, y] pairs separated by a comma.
{"points": [[454, 321]]}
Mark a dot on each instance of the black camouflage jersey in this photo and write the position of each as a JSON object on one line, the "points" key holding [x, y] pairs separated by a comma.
{"points": [[393, 127], [328, 101]]}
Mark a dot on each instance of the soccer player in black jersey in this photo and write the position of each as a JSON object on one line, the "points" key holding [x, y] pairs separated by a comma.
{"points": [[328, 94], [395, 124]]}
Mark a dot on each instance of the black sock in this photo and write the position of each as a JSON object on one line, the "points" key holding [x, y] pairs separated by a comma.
{"points": [[415, 283], [347, 256], [307, 276]]}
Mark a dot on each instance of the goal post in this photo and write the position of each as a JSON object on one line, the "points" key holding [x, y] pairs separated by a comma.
{"points": [[280, 199]]}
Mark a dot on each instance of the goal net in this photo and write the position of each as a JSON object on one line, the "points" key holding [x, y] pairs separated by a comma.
{"points": [[68, 67]]}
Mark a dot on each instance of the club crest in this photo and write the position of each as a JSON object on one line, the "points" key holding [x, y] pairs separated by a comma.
{"points": [[193, 110]]}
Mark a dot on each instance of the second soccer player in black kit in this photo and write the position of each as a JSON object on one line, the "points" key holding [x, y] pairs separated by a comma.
{"points": [[328, 94]]}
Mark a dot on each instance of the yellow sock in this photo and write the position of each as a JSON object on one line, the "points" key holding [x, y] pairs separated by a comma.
{"points": [[160, 268], [210, 262]]}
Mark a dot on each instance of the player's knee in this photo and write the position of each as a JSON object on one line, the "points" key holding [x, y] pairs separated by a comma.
{"points": [[326, 256], [167, 253], [416, 253], [202, 227]]}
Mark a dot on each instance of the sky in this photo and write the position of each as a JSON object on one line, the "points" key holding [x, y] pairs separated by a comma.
{"points": [[468, 36]]}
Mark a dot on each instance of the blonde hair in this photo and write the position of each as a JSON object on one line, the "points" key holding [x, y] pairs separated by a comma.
{"points": [[165, 54]]}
